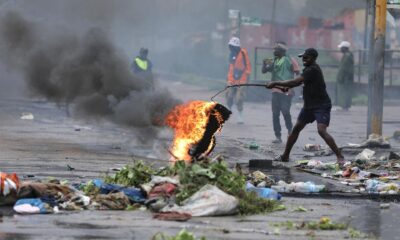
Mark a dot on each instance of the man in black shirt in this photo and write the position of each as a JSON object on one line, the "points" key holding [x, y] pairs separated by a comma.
{"points": [[317, 104]]}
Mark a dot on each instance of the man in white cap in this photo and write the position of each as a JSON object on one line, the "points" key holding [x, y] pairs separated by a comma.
{"points": [[345, 77], [238, 73]]}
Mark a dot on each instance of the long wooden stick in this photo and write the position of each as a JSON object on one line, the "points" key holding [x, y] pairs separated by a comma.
{"points": [[246, 85]]}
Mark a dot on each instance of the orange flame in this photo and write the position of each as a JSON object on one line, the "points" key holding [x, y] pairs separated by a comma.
{"points": [[189, 122]]}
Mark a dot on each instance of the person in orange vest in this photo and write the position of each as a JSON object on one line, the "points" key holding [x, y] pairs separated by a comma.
{"points": [[238, 73]]}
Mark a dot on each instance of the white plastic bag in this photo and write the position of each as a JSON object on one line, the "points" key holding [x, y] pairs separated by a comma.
{"points": [[365, 155], [208, 201]]}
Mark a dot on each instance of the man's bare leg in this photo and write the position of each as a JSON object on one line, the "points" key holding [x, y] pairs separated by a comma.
{"points": [[330, 141], [292, 140]]}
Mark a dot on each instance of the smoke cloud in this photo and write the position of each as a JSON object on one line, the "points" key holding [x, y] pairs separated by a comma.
{"points": [[85, 72]]}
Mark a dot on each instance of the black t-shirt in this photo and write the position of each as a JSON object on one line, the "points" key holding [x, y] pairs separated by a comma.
{"points": [[314, 90]]}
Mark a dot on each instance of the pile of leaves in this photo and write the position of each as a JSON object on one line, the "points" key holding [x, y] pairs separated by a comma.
{"points": [[194, 176], [132, 175]]}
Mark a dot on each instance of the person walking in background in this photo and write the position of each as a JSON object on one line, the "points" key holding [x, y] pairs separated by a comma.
{"points": [[345, 77], [141, 63], [317, 104], [238, 73], [142, 67], [282, 67]]}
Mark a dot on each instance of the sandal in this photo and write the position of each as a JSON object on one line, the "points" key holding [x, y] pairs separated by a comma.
{"points": [[280, 159], [341, 163]]}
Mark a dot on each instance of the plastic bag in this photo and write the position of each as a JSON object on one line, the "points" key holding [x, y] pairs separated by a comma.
{"points": [[208, 201], [365, 155], [32, 206]]}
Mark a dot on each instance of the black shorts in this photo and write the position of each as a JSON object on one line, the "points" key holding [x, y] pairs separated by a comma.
{"points": [[321, 114]]}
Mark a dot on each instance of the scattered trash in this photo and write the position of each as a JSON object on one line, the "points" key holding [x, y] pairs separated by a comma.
{"points": [[39, 190], [208, 201], [147, 187], [9, 184], [321, 153], [375, 186], [321, 165], [27, 116], [32, 206], [365, 155], [384, 205], [198, 189], [156, 204], [312, 147], [28, 176], [172, 216], [253, 146], [324, 223], [300, 209], [373, 141], [163, 190], [257, 176], [79, 128], [263, 192], [182, 235], [70, 168], [111, 201], [300, 187], [259, 179], [134, 194]]}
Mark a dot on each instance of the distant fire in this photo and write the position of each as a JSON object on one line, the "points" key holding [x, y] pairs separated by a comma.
{"points": [[195, 124]]}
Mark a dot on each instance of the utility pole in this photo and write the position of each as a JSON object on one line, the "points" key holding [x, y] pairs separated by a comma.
{"points": [[376, 74], [367, 12]]}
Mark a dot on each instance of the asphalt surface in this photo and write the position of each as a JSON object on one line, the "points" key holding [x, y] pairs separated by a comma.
{"points": [[43, 147]]}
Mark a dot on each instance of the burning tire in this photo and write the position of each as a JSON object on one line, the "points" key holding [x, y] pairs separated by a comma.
{"points": [[195, 124]]}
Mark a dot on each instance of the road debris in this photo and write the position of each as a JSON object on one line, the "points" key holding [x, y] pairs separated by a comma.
{"points": [[373, 141], [324, 223], [197, 189], [312, 147], [368, 172], [32, 206], [27, 116], [182, 235], [300, 187], [263, 192], [384, 205], [208, 201]]}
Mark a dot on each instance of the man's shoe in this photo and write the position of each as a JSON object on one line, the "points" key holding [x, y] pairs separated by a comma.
{"points": [[277, 140]]}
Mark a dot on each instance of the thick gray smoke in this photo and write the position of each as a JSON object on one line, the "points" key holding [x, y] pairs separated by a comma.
{"points": [[86, 73]]}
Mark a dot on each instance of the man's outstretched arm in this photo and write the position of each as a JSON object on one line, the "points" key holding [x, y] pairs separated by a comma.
{"points": [[288, 83]]}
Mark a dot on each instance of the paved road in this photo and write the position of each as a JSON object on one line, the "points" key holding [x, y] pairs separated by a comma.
{"points": [[45, 145]]}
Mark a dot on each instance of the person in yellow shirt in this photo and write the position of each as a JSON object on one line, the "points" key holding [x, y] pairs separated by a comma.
{"points": [[142, 68], [141, 63]]}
